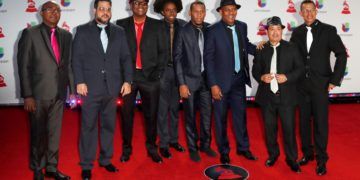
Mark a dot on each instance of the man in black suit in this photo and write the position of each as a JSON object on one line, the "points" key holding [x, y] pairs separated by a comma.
{"points": [[277, 68], [145, 40], [316, 40], [102, 69], [45, 73], [191, 76], [227, 68], [168, 113]]}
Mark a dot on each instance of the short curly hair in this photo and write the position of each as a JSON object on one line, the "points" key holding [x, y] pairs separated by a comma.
{"points": [[159, 5]]}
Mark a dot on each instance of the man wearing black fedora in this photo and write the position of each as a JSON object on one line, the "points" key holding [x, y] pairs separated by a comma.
{"points": [[277, 68], [226, 63]]}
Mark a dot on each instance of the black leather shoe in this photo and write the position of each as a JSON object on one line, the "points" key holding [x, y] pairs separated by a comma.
{"points": [[155, 157], [306, 159], [294, 166], [270, 162], [209, 152], [247, 154], [86, 174], [224, 159], [321, 169], [177, 147], [165, 153], [57, 175], [194, 156], [38, 175], [110, 168], [125, 157]]}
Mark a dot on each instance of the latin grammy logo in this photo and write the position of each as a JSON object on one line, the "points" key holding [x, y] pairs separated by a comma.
{"points": [[1, 33], [2, 81], [346, 8], [291, 7], [65, 26], [262, 29], [31, 6]]}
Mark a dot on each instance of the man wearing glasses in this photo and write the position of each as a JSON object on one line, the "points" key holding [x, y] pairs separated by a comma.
{"points": [[45, 73], [148, 57]]}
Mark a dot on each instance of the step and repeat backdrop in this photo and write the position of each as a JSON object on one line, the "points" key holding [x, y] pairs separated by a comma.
{"points": [[15, 15]]}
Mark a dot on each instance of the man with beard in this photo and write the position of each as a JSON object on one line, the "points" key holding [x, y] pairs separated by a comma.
{"points": [[168, 113], [102, 70], [146, 43]]}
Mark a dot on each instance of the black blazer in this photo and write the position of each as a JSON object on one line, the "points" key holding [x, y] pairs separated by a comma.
{"points": [[92, 65], [288, 62], [187, 57], [40, 75], [325, 41], [152, 46]]}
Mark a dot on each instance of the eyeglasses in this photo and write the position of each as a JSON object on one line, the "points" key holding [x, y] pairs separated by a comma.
{"points": [[103, 9], [137, 3], [51, 10], [308, 11]]}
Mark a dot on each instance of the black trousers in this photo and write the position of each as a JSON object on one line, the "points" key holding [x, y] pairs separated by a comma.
{"points": [[314, 121], [168, 113], [97, 108], [270, 113], [149, 92], [199, 99], [45, 130]]}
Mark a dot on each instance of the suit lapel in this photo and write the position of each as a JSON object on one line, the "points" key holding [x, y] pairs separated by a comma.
{"points": [[132, 37], [61, 45], [315, 36], [95, 33], [111, 38], [225, 38], [47, 42]]}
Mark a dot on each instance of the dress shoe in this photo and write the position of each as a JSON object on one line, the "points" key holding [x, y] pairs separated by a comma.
{"points": [[177, 147], [57, 175], [224, 159], [304, 160], [110, 168], [38, 175], [155, 157], [270, 162], [294, 166], [125, 157], [86, 174], [321, 169], [247, 154], [209, 152], [194, 156], [165, 153]]}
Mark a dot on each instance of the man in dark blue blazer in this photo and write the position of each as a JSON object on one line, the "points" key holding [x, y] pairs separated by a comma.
{"points": [[102, 70], [189, 68], [226, 63]]}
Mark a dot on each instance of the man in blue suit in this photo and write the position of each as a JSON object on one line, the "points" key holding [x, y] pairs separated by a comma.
{"points": [[102, 70], [226, 63], [189, 68]]}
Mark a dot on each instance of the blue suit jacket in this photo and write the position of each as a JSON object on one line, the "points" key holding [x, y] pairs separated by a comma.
{"points": [[90, 60], [219, 56]]}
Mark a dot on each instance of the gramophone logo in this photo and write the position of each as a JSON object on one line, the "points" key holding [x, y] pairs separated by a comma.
{"points": [[262, 29], [1, 33], [346, 8], [65, 3], [291, 26], [30, 24], [1, 52], [31, 6], [345, 27], [2, 81], [319, 4], [65, 26], [291, 7], [261, 3]]}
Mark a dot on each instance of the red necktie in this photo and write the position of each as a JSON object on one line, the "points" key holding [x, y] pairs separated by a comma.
{"points": [[55, 45], [138, 40]]}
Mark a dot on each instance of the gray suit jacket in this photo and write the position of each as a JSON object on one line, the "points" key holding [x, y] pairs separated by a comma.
{"points": [[40, 75]]}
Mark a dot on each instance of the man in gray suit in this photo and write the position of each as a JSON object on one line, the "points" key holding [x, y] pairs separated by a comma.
{"points": [[45, 72], [102, 69]]}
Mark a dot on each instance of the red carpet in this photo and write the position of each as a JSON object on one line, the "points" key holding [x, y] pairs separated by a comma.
{"points": [[344, 146]]}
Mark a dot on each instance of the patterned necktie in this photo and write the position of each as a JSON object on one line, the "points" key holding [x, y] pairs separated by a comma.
{"points": [[172, 30], [273, 70], [236, 48], [139, 32], [103, 36], [309, 38], [55, 45], [201, 47]]}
